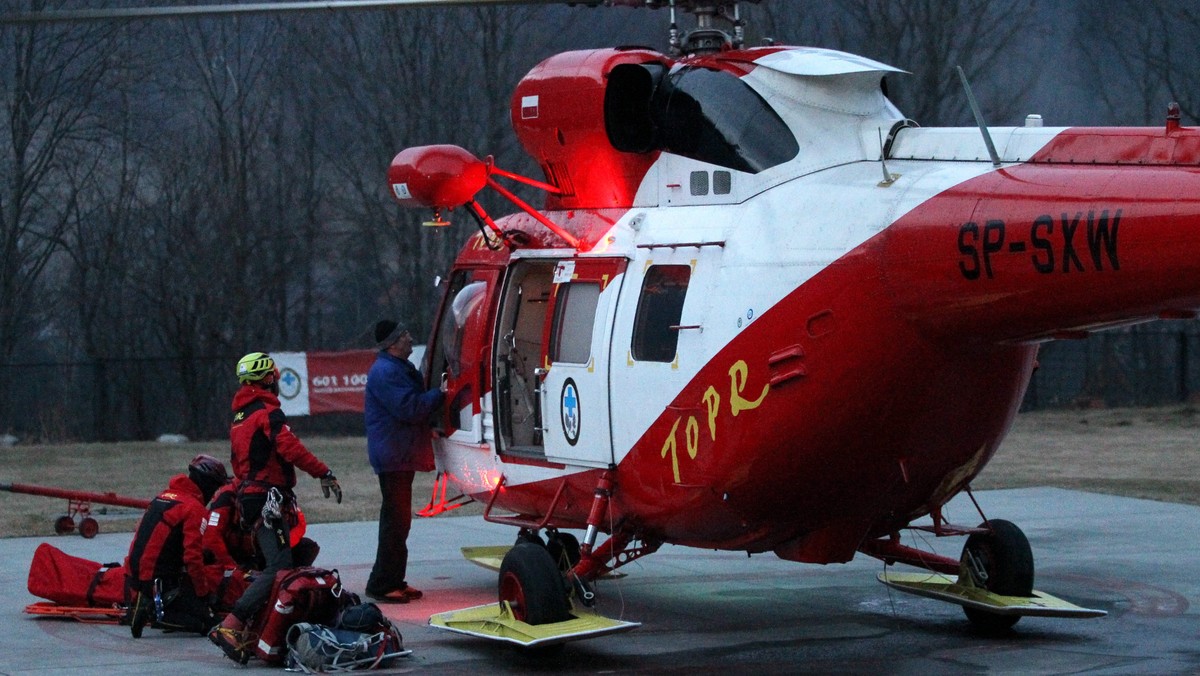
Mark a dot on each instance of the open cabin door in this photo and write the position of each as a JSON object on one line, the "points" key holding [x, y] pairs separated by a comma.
{"points": [[461, 350], [552, 359]]}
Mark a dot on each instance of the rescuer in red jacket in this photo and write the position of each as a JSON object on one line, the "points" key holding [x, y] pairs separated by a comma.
{"points": [[227, 545], [169, 584], [265, 455]]}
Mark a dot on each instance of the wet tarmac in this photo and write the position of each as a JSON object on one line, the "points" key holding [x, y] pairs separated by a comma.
{"points": [[705, 611]]}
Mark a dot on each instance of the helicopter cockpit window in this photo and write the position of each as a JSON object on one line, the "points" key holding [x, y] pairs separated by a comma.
{"points": [[656, 325], [704, 114], [574, 318]]}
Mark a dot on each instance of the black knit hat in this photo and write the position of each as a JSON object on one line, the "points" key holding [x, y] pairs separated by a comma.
{"points": [[386, 333]]}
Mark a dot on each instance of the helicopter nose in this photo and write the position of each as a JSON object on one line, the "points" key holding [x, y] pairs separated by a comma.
{"points": [[438, 176]]}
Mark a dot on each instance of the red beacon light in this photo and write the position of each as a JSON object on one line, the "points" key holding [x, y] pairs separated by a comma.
{"points": [[447, 177]]}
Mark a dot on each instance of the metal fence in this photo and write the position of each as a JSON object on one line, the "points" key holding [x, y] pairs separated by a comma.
{"points": [[1148, 365], [1151, 365], [116, 400], [120, 400]]}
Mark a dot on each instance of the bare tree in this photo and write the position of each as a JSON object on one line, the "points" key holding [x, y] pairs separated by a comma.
{"points": [[211, 277], [53, 77], [99, 243], [1141, 55], [381, 85], [990, 40]]}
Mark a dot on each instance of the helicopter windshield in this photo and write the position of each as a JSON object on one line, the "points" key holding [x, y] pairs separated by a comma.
{"points": [[707, 115]]}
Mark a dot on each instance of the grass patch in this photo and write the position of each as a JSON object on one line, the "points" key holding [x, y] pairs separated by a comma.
{"points": [[1141, 453]]}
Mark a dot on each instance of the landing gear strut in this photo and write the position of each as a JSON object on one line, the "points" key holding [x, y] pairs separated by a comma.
{"points": [[992, 580], [564, 549]]}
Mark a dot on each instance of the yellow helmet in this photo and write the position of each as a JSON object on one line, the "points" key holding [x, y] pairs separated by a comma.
{"points": [[254, 367]]}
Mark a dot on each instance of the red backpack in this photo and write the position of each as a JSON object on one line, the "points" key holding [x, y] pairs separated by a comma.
{"points": [[313, 595]]}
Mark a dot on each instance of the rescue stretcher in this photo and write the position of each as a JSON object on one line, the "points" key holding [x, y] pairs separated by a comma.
{"points": [[75, 588]]}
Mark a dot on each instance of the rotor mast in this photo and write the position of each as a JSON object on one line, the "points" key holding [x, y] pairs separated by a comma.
{"points": [[708, 36]]}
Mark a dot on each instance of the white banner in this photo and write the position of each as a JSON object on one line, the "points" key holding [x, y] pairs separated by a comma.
{"points": [[312, 383], [293, 382]]}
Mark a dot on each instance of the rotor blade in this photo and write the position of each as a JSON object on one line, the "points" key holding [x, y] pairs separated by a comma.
{"points": [[254, 8]]}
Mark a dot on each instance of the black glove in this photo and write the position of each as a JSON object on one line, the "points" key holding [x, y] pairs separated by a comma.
{"points": [[330, 483]]}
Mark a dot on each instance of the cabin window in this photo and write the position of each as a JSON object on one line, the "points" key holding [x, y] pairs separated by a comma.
{"points": [[722, 182], [656, 325], [574, 319]]}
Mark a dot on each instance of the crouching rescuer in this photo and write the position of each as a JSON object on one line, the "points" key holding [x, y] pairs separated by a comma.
{"points": [[265, 455], [169, 585]]}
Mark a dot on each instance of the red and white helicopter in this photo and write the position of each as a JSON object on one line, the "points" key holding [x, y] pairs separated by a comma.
{"points": [[762, 311]]}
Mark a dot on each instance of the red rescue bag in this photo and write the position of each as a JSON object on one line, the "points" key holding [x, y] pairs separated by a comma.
{"points": [[313, 595], [72, 581]]}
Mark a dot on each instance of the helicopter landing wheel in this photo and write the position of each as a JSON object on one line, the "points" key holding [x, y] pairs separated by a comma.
{"points": [[89, 527], [64, 525], [564, 549], [532, 585], [1000, 561]]}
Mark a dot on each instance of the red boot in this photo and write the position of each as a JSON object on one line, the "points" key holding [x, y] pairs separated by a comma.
{"points": [[230, 637]]}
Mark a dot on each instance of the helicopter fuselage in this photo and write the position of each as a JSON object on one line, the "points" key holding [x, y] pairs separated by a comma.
{"points": [[790, 355]]}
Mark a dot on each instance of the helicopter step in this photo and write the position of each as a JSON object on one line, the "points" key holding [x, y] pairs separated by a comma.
{"points": [[945, 588]]}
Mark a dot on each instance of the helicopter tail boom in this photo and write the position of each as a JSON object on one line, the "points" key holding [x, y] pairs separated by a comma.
{"points": [[1050, 248]]}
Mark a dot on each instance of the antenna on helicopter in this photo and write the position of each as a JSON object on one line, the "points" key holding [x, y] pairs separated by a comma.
{"points": [[888, 177], [987, 136]]}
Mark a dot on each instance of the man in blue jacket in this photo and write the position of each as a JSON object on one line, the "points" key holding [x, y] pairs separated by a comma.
{"points": [[397, 410]]}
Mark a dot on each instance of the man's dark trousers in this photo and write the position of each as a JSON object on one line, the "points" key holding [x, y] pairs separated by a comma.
{"points": [[395, 520]]}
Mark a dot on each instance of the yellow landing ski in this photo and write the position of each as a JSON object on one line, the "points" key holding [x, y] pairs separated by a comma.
{"points": [[945, 588], [495, 621], [488, 557]]}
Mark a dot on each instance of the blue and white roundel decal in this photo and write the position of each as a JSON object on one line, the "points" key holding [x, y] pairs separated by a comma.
{"points": [[289, 384], [569, 411]]}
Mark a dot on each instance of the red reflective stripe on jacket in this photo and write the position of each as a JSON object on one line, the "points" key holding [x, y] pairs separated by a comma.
{"points": [[223, 529]]}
